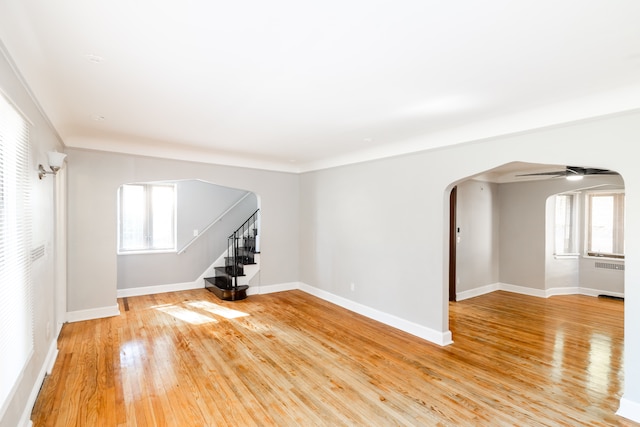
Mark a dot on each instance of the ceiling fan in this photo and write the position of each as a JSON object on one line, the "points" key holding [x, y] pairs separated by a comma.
{"points": [[573, 172]]}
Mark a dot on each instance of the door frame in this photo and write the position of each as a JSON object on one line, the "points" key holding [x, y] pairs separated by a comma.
{"points": [[453, 198]]}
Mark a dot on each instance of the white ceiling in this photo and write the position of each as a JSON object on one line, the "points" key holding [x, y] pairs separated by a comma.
{"points": [[300, 85]]}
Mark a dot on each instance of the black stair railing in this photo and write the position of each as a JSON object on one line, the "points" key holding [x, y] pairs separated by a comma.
{"points": [[247, 232]]}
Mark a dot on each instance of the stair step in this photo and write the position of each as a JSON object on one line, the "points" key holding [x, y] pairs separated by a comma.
{"points": [[224, 292], [240, 259], [228, 270], [222, 282]]}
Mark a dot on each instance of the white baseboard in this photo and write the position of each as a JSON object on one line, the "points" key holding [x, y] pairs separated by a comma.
{"points": [[159, 289], [629, 409], [523, 290], [93, 313], [47, 366], [597, 292], [563, 291], [250, 271], [540, 293], [487, 289], [269, 289], [440, 338]]}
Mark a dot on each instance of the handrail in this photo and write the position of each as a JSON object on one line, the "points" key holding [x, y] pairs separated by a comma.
{"points": [[251, 217], [190, 242], [233, 243]]}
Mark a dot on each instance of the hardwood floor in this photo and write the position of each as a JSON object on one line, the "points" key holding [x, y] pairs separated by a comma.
{"points": [[290, 359]]}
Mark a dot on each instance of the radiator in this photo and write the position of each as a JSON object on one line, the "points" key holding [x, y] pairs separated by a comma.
{"points": [[610, 265]]}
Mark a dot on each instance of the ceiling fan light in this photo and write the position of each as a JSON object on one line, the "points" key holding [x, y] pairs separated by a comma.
{"points": [[574, 177]]}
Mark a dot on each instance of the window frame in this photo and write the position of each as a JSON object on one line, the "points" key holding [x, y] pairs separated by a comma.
{"points": [[572, 227], [148, 220], [618, 224]]}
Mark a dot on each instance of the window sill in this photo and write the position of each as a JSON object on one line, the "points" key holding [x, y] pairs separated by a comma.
{"points": [[148, 252], [566, 256], [606, 258]]}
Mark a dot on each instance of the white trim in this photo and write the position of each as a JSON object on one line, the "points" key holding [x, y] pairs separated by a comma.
{"points": [[47, 367], [171, 287], [563, 291], [52, 356], [629, 409], [269, 289], [250, 271], [93, 313], [596, 292], [523, 290], [540, 293], [160, 289], [440, 338], [487, 289]]}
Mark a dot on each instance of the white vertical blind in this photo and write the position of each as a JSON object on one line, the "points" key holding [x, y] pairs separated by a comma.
{"points": [[16, 307]]}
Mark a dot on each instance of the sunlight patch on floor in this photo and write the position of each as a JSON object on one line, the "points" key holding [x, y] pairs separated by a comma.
{"points": [[218, 310], [185, 314]]}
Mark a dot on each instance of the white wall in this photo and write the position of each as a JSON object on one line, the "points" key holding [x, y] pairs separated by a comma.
{"points": [[383, 225], [43, 139]]}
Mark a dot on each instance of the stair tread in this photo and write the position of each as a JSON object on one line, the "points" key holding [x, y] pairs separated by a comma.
{"points": [[228, 294], [223, 270]]}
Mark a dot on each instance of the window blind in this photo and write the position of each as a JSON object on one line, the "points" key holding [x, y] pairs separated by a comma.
{"points": [[16, 306]]}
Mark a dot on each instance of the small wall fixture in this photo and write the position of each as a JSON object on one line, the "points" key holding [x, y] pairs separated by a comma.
{"points": [[55, 163]]}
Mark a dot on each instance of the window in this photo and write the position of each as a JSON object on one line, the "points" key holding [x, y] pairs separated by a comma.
{"points": [[16, 306], [147, 218], [566, 224], [605, 229]]}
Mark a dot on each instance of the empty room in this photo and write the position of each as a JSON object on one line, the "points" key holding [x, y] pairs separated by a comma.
{"points": [[355, 213]]}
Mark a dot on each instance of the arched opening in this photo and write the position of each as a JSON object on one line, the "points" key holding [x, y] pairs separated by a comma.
{"points": [[173, 234], [523, 234], [501, 231]]}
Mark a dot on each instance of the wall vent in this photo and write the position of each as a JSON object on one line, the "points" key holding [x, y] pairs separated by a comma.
{"points": [[609, 265], [37, 253]]}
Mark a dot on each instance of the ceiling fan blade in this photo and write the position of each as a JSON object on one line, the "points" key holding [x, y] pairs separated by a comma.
{"points": [[556, 173], [591, 171]]}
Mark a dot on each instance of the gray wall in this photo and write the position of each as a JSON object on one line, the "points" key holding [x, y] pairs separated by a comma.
{"points": [[139, 270], [383, 225], [43, 198], [94, 178], [526, 250], [199, 203], [489, 213], [607, 282], [478, 219], [522, 233]]}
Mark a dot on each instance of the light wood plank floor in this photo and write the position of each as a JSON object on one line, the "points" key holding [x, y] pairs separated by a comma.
{"points": [[290, 359]]}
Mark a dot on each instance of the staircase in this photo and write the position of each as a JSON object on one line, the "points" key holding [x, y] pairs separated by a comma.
{"points": [[241, 252]]}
